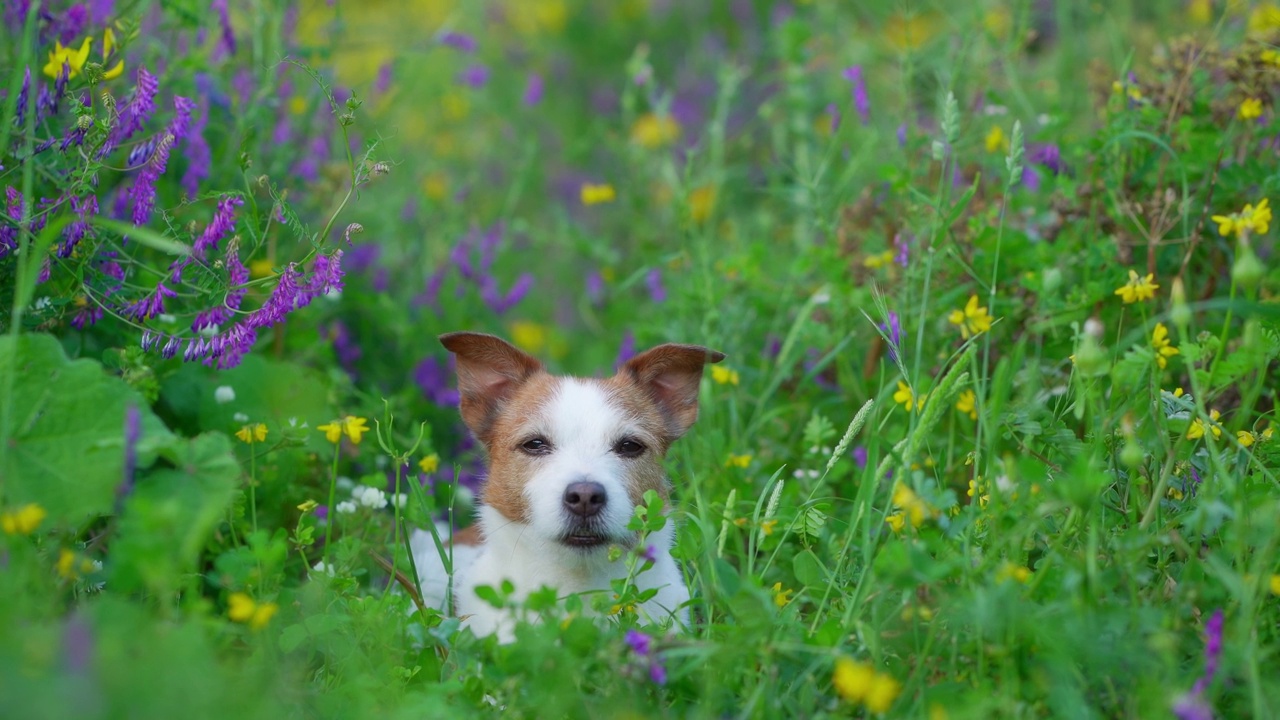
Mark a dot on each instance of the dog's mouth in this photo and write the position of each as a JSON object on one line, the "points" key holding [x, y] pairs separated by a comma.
{"points": [[583, 538]]}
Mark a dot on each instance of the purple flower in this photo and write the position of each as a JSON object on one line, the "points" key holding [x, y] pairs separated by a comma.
{"points": [[853, 74], [75, 232], [149, 306], [627, 350], [476, 76], [902, 135], [459, 41], [860, 456], [833, 111], [385, 74], [101, 11], [640, 643], [657, 673], [144, 191], [434, 379], [198, 155], [326, 274], [893, 328], [77, 645], [653, 281], [595, 288], [1193, 705], [1046, 155], [902, 255], [136, 112], [224, 19], [533, 89], [650, 553], [1030, 178], [321, 512], [9, 232], [222, 224], [23, 94]]}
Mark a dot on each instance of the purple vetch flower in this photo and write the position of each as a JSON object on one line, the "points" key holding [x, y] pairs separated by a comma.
{"points": [[1194, 705], [434, 379], [1046, 155], [237, 276], [902, 250], [475, 76], [101, 11], [458, 41], [149, 306], [518, 291], [321, 512], [144, 191], [649, 554], [861, 104], [833, 113], [627, 350], [595, 288], [653, 281], [222, 224], [860, 456], [533, 88], [21, 111], [84, 208], [326, 274], [657, 672], [316, 154], [135, 113], [902, 135], [345, 347], [87, 315], [198, 156], [386, 72], [640, 643], [8, 231], [893, 329], [1030, 178], [228, 41]]}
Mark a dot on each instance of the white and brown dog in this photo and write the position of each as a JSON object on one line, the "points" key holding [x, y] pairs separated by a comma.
{"points": [[569, 460]]}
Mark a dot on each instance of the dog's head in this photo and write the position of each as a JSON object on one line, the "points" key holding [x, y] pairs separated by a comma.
{"points": [[572, 457]]}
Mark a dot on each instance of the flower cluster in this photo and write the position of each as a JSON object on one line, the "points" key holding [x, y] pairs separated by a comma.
{"points": [[972, 319], [24, 520], [1256, 220], [242, 608], [862, 684], [642, 646], [1138, 288], [353, 427]]}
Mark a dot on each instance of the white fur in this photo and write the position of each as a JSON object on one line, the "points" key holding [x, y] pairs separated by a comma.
{"points": [[582, 427]]}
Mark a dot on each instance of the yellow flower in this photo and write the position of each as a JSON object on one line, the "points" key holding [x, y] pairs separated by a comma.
{"points": [[261, 269], [701, 202], [436, 186], [972, 320], [1250, 108], [1245, 438], [1252, 219], [250, 434], [597, 194], [1200, 12], [351, 426], [1009, 571], [767, 526], [906, 397], [1270, 56], [781, 597], [22, 521], [908, 31], [723, 375], [1160, 343], [73, 566], [976, 489], [860, 683], [740, 461], [896, 521], [1174, 493], [75, 59], [878, 260], [1275, 584], [1264, 20], [1138, 288], [915, 508], [243, 609], [1196, 431], [967, 404], [529, 336], [429, 464], [654, 131], [332, 431], [996, 142], [308, 506]]}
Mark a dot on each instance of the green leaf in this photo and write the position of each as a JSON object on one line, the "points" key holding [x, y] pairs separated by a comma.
{"points": [[62, 429], [808, 569]]}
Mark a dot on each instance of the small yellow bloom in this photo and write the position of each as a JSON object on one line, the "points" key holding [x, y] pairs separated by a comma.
{"points": [[429, 464], [1245, 438], [906, 397], [878, 260], [967, 404], [1010, 571], [1160, 343], [22, 521], [995, 141], [597, 194], [1264, 20], [436, 186], [972, 320], [701, 202], [1275, 584], [261, 268], [896, 521], [332, 431], [308, 506], [1138, 288], [739, 461], [767, 527], [74, 59], [355, 428], [250, 434], [976, 491], [72, 565], [723, 375], [243, 609], [1196, 431], [915, 508], [1200, 12], [1251, 219], [860, 683], [1174, 493], [654, 131], [529, 336], [1249, 109], [1266, 434], [781, 597]]}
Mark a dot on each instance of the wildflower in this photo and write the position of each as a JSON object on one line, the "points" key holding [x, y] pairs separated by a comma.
{"points": [[879, 260], [1250, 219], [907, 397], [533, 89], [143, 191], [1010, 571], [654, 131], [1249, 109], [915, 508], [243, 609], [1275, 584], [459, 41], [781, 597], [1196, 431], [346, 507], [893, 329], [975, 490], [972, 320], [640, 643], [61, 56], [597, 194], [967, 404], [860, 683], [22, 521], [896, 521], [529, 336], [1138, 288], [740, 461], [860, 102], [767, 527], [995, 141], [475, 76], [250, 434], [429, 464], [653, 283], [224, 394], [1193, 705], [722, 375], [351, 426], [1245, 438], [73, 566], [1160, 343], [369, 497], [701, 202]]}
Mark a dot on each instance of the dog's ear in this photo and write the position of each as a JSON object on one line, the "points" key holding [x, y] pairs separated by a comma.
{"points": [[670, 375], [490, 370]]}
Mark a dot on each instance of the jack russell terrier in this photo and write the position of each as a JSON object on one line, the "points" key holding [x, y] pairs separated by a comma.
{"points": [[569, 461]]}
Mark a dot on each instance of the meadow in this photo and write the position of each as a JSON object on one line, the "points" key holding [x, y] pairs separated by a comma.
{"points": [[995, 436]]}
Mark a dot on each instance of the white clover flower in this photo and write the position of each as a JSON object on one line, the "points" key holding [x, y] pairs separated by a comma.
{"points": [[240, 417], [41, 303], [224, 394], [400, 500], [371, 498], [346, 507], [324, 568]]}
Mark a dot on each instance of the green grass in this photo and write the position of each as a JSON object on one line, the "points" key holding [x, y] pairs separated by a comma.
{"points": [[1056, 546]]}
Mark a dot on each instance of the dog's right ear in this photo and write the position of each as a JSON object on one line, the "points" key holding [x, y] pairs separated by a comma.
{"points": [[490, 370]]}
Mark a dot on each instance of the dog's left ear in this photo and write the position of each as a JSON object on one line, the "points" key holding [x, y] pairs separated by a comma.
{"points": [[670, 374], [490, 371]]}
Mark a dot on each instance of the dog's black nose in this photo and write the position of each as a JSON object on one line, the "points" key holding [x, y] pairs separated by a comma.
{"points": [[585, 499]]}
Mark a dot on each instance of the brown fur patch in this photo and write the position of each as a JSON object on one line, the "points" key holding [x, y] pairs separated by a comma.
{"points": [[469, 535], [509, 468], [647, 471]]}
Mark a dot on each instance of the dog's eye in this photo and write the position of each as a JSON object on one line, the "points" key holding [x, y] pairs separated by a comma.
{"points": [[536, 446], [629, 448]]}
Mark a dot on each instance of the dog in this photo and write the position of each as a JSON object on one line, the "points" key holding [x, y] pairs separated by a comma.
{"points": [[569, 459]]}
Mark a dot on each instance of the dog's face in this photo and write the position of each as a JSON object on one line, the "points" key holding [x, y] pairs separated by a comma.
{"points": [[572, 457]]}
